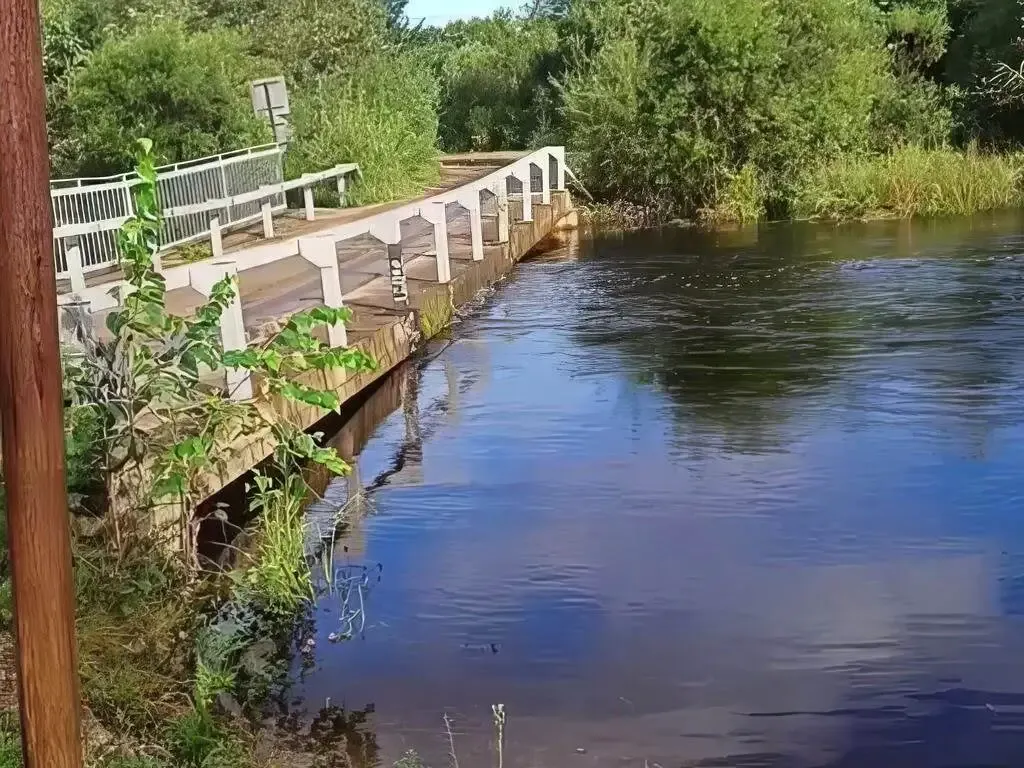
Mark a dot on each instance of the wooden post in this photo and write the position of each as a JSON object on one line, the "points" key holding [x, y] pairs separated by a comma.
{"points": [[31, 402]]}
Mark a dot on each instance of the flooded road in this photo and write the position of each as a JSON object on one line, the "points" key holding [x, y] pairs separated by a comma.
{"points": [[682, 499]]}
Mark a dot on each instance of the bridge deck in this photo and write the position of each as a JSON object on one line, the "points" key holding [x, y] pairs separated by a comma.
{"points": [[272, 291]]}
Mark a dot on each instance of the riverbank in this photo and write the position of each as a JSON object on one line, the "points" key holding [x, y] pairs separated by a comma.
{"points": [[909, 182]]}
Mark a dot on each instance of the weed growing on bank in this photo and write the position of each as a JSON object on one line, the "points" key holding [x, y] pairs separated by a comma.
{"points": [[163, 645]]}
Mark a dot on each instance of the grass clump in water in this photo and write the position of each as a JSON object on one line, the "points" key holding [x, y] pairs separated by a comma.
{"points": [[279, 579], [912, 181]]}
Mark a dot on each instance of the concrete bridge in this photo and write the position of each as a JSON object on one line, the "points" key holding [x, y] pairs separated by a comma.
{"points": [[402, 269]]}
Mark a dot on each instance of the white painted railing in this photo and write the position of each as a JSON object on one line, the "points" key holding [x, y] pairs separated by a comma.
{"points": [[540, 172], [88, 211]]}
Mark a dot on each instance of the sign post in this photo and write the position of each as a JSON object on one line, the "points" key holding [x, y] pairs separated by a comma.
{"points": [[31, 404]]}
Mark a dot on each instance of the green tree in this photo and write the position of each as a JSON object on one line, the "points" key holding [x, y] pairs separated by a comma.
{"points": [[981, 60], [310, 39], [382, 115], [495, 82], [667, 101], [187, 90]]}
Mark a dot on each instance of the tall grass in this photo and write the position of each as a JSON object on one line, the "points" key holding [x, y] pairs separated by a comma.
{"points": [[382, 116], [742, 201], [911, 181], [279, 579], [10, 744]]}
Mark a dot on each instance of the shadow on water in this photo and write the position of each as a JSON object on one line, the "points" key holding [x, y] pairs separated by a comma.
{"points": [[691, 499], [743, 329]]}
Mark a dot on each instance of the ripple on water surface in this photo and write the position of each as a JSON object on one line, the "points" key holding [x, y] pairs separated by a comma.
{"points": [[728, 499]]}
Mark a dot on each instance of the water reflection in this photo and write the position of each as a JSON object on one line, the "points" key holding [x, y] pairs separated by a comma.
{"points": [[742, 499]]}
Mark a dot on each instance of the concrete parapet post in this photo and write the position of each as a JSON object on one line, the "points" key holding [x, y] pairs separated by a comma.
{"points": [[307, 198], [559, 154], [500, 190], [268, 219], [435, 214], [470, 200], [545, 179], [524, 179], [216, 240], [202, 278], [75, 269], [322, 253], [341, 190], [389, 232]]}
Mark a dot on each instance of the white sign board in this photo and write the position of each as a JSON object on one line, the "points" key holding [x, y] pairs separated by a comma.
{"points": [[270, 102]]}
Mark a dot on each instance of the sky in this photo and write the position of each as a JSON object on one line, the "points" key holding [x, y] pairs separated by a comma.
{"points": [[438, 12]]}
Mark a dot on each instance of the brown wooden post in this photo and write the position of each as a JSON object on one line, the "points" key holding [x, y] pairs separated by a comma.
{"points": [[31, 407]]}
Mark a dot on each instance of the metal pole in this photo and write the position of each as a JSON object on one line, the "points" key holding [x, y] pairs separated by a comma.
{"points": [[31, 406]]}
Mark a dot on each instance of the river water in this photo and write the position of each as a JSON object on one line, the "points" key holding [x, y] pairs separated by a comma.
{"points": [[676, 498]]}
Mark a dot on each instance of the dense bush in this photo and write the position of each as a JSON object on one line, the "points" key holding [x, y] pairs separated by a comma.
{"points": [[309, 38], [187, 91], [495, 89], [72, 30], [990, 33], [668, 100], [383, 116]]}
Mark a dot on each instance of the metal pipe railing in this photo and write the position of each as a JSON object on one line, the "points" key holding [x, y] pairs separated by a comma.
{"points": [[88, 211]]}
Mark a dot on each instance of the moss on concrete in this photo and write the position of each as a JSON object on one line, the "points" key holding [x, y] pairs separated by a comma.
{"points": [[435, 315]]}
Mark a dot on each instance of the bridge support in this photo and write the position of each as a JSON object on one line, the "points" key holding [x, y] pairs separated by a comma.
{"points": [[202, 278], [545, 180], [268, 219], [341, 191], [500, 190], [470, 200], [76, 271], [559, 154], [436, 215], [307, 199], [216, 241], [322, 253], [524, 179], [389, 232]]}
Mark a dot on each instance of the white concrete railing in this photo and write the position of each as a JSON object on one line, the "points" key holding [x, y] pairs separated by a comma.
{"points": [[320, 249]]}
